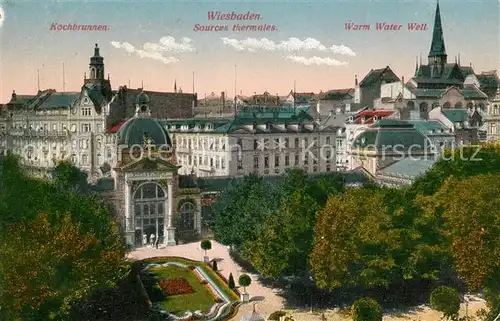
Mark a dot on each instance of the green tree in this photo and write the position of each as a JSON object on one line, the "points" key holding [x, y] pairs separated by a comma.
{"points": [[69, 177], [460, 163], [240, 210], [244, 281], [56, 246], [469, 210], [206, 245], [285, 240], [230, 282], [366, 309], [446, 300], [355, 241]]}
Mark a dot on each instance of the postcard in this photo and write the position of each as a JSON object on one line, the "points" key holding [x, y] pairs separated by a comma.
{"points": [[248, 160]]}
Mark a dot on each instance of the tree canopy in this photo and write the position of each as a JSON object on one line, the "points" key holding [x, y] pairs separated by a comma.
{"points": [[57, 246]]}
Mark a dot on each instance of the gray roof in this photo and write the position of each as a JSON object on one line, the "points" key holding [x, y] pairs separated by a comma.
{"points": [[336, 120], [409, 168], [137, 129]]}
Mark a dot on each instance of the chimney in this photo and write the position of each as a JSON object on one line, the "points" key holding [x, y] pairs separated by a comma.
{"points": [[223, 100]]}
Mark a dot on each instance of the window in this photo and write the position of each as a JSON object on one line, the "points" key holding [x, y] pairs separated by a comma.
{"points": [[85, 159], [54, 127], [296, 159], [266, 161], [306, 159], [85, 128], [287, 143], [276, 161], [255, 144], [256, 161], [187, 216], [148, 206], [99, 128], [240, 163], [287, 160], [239, 142], [296, 143], [108, 153], [328, 168], [211, 162], [328, 140], [222, 163], [86, 111]]}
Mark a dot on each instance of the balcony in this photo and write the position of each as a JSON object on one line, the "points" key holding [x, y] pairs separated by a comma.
{"points": [[38, 133]]}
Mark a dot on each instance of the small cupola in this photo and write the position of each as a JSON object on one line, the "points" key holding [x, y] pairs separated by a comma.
{"points": [[142, 108]]}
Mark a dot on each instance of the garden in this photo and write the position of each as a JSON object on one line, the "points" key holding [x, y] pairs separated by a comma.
{"points": [[187, 289]]}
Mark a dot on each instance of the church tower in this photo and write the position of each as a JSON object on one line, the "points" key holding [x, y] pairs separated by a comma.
{"points": [[437, 54], [96, 66]]}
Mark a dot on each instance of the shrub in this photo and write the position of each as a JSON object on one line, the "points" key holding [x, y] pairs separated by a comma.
{"points": [[230, 282], [214, 265], [175, 286], [244, 281], [366, 309], [206, 245], [446, 300], [275, 316]]}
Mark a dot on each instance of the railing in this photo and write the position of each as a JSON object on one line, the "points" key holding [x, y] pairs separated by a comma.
{"points": [[40, 133]]}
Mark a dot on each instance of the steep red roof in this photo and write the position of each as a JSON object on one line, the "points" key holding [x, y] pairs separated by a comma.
{"points": [[115, 128]]}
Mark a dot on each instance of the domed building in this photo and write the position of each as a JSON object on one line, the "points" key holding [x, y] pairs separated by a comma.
{"points": [[146, 181]]}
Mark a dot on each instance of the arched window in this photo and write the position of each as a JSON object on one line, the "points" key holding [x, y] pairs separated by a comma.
{"points": [[423, 110], [447, 105], [92, 73], [149, 213], [458, 105], [410, 105], [495, 109], [187, 216], [481, 106]]}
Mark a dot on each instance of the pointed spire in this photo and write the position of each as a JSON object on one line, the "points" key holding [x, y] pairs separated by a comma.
{"points": [[175, 86], [416, 65], [142, 85], [437, 46]]}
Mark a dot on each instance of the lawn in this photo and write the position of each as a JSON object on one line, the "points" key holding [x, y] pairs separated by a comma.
{"points": [[201, 299]]}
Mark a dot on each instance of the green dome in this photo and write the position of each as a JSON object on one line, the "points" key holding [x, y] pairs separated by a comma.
{"points": [[136, 130], [386, 138], [142, 98]]}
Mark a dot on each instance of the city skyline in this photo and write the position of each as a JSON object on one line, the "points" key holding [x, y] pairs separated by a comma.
{"points": [[309, 45]]}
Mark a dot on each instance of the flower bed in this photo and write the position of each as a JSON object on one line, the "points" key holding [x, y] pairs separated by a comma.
{"points": [[175, 287]]}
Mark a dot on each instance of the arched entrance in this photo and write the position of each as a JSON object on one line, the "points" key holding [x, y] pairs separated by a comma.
{"points": [[149, 213]]}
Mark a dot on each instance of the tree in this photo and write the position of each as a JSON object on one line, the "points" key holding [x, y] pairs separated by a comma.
{"points": [[244, 281], [69, 177], [460, 163], [366, 309], [469, 210], [239, 211], [354, 241], [48, 263], [446, 300], [230, 282], [56, 248], [214, 265], [285, 240], [206, 245]]}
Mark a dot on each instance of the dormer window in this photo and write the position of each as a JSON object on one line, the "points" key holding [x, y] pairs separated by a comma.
{"points": [[208, 126]]}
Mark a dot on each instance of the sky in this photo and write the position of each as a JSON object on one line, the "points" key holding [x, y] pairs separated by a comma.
{"points": [[156, 43]]}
